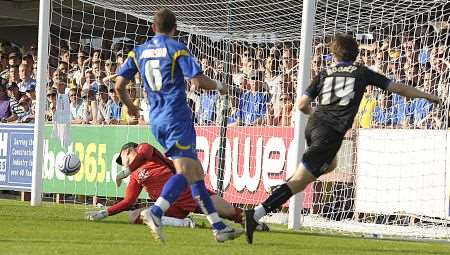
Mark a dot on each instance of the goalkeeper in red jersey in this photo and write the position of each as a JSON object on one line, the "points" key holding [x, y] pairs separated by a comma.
{"points": [[150, 170]]}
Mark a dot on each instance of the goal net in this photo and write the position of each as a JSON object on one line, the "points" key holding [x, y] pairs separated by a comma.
{"points": [[392, 176]]}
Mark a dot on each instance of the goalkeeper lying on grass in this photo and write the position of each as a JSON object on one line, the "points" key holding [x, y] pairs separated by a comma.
{"points": [[150, 170]]}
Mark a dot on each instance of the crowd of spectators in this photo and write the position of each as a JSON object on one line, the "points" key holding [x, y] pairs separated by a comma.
{"points": [[262, 81]]}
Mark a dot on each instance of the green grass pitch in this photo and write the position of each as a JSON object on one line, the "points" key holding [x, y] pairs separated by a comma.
{"points": [[61, 229]]}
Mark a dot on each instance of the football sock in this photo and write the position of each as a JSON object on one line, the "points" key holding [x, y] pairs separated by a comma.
{"points": [[259, 212], [170, 192], [201, 195], [278, 197]]}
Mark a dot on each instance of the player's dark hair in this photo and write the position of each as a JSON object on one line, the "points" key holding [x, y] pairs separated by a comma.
{"points": [[164, 20], [344, 48]]}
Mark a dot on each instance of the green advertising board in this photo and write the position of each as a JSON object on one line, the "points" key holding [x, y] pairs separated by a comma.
{"points": [[97, 147]]}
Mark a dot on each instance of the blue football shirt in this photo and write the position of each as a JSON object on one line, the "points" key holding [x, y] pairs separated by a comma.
{"points": [[163, 64]]}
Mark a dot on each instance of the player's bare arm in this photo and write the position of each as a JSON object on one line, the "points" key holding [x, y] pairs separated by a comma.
{"points": [[201, 81], [412, 92], [124, 96]]}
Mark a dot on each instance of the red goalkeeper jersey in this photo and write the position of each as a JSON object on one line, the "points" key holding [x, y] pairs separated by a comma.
{"points": [[150, 171]]}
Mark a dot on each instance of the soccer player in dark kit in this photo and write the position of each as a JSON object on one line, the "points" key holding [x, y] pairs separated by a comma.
{"points": [[339, 90]]}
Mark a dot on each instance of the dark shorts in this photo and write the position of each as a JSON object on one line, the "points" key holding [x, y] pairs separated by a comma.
{"points": [[323, 145]]}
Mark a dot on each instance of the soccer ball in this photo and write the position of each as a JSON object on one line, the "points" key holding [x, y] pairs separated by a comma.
{"points": [[69, 164]]}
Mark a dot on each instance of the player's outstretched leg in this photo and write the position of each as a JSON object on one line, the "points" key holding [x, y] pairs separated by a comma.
{"points": [[170, 192], [221, 231], [235, 214], [194, 173], [279, 196]]}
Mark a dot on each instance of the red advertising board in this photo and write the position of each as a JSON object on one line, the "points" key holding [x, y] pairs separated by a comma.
{"points": [[256, 159]]}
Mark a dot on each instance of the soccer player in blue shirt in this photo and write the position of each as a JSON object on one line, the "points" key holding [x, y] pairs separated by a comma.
{"points": [[163, 64]]}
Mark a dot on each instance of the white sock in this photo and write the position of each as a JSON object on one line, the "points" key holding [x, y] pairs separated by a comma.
{"points": [[162, 203], [175, 222], [259, 212], [213, 218]]}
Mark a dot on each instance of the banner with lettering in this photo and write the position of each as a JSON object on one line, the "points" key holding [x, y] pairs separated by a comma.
{"points": [[97, 147], [256, 159], [16, 157]]}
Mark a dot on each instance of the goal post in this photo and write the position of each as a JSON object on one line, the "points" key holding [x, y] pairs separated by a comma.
{"points": [[303, 80], [39, 125]]}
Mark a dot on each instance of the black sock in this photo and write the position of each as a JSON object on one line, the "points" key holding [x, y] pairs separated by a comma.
{"points": [[278, 197]]}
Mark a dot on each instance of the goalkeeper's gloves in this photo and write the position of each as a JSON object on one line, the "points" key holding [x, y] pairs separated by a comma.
{"points": [[96, 215], [122, 175]]}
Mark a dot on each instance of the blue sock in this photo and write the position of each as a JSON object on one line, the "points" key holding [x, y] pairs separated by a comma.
{"points": [[170, 192], [201, 195]]}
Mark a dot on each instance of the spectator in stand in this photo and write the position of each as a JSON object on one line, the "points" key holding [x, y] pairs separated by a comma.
{"points": [[119, 58], [104, 106], [253, 103], [76, 110], [116, 107], [51, 105], [14, 58], [206, 67], [411, 70], [88, 107], [34, 72], [383, 112], [15, 95], [90, 81], [82, 64], [28, 61], [97, 68], [233, 109], [3, 61], [28, 115], [240, 78], [99, 79], [289, 61], [96, 56], [283, 104], [63, 67], [5, 109], [272, 64], [26, 82], [63, 114], [34, 52], [14, 74], [208, 108], [400, 109], [31, 93], [110, 74], [421, 112], [317, 60], [286, 119], [125, 117], [65, 56], [366, 109]]}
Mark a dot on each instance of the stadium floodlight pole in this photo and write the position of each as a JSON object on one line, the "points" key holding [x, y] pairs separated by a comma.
{"points": [[39, 125], [303, 78]]}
